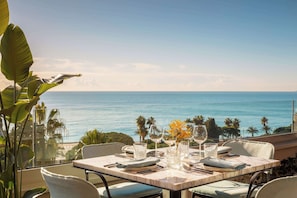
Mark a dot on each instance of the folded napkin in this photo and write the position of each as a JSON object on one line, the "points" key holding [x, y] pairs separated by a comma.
{"points": [[224, 149], [221, 163], [128, 149], [138, 163]]}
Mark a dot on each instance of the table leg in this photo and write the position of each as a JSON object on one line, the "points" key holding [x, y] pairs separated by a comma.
{"points": [[175, 194]]}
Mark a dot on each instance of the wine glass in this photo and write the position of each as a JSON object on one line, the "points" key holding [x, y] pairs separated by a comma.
{"points": [[200, 136], [189, 130], [156, 134], [168, 137]]}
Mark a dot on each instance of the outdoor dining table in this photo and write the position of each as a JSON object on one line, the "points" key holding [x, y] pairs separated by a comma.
{"points": [[174, 180]]}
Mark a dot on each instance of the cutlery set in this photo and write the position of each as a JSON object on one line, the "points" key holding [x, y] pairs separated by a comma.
{"points": [[146, 171]]}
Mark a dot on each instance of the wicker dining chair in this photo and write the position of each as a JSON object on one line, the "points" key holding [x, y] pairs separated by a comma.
{"points": [[236, 189], [121, 190], [284, 187], [61, 186]]}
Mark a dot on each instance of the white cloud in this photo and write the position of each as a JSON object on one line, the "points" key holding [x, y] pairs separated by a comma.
{"points": [[141, 76]]}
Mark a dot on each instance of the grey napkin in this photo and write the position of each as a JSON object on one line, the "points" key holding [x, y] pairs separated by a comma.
{"points": [[224, 149], [138, 163], [128, 149], [221, 163]]}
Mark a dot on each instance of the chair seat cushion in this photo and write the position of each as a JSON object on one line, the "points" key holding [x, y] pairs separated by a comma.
{"points": [[129, 189], [223, 189]]}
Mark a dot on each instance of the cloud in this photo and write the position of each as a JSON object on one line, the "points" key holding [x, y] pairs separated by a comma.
{"points": [[141, 76], [135, 76], [58, 65]]}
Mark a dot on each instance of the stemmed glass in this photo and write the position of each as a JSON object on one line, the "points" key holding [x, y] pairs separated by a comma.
{"points": [[189, 129], [200, 136], [168, 137], [156, 134]]}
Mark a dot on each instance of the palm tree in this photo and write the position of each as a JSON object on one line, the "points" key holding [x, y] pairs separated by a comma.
{"points": [[235, 123], [231, 128], [141, 129], [198, 119], [228, 122], [252, 130], [264, 121], [93, 137], [266, 128], [188, 120], [55, 130]]}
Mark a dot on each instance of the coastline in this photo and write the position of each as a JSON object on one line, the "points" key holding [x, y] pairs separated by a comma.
{"points": [[117, 111]]}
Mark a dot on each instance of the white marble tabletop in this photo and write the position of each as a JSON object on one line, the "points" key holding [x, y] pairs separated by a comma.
{"points": [[172, 179]]}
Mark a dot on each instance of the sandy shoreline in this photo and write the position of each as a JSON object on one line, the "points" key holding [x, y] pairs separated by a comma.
{"points": [[64, 148]]}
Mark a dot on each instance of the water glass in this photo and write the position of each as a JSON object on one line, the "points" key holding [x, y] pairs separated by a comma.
{"points": [[183, 149], [173, 158], [211, 150], [139, 150]]}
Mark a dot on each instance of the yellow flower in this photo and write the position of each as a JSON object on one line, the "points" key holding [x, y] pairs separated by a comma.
{"points": [[179, 129]]}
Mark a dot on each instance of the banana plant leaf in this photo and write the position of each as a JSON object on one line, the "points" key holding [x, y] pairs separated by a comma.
{"points": [[38, 87], [19, 111], [8, 94], [25, 155], [6, 176], [4, 15], [16, 55]]}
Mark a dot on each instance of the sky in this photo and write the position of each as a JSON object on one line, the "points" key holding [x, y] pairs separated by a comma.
{"points": [[162, 45]]}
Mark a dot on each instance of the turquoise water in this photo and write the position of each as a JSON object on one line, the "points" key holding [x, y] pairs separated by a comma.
{"points": [[117, 111]]}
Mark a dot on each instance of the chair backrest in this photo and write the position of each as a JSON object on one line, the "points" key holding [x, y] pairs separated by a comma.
{"points": [[97, 150], [61, 186], [251, 148], [284, 187]]}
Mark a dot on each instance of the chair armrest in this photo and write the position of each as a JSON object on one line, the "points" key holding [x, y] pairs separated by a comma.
{"points": [[87, 172], [257, 180], [44, 194]]}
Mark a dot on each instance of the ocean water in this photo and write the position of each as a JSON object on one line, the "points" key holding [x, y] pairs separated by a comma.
{"points": [[118, 111]]}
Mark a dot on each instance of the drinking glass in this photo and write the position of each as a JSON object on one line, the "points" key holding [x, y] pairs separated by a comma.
{"points": [[156, 134], [200, 136], [168, 137], [189, 129]]}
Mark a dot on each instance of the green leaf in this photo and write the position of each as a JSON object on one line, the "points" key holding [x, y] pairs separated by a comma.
{"points": [[25, 155], [16, 55], [38, 87], [8, 96], [2, 140], [19, 111], [4, 15], [6, 177]]}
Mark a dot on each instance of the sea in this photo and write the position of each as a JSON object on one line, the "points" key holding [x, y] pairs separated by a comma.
{"points": [[118, 111]]}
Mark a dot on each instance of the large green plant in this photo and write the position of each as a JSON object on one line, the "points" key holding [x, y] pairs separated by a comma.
{"points": [[17, 101]]}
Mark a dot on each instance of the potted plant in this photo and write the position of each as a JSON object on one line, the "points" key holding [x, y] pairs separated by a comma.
{"points": [[17, 101]]}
